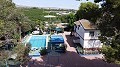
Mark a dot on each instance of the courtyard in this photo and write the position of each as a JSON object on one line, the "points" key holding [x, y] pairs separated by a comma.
{"points": [[69, 59]]}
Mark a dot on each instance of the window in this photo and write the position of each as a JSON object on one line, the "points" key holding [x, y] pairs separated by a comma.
{"points": [[78, 27], [91, 33], [75, 26]]}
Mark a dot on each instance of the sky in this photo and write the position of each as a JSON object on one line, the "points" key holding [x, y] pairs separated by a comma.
{"points": [[67, 4]]}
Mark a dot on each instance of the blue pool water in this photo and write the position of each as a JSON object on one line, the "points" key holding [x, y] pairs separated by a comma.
{"points": [[38, 41]]}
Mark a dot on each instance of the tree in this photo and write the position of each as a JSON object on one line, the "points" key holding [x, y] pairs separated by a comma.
{"points": [[22, 52], [108, 23], [5, 11], [3, 57], [25, 27], [89, 11], [11, 20], [1, 27], [70, 19], [109, 26]]}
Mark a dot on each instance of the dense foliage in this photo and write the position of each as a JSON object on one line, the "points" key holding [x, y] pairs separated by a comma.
{"points": [[70, 19], [109, 24], [36, 15], [12, 24], [89, 11], [11, 20], [22, 53]]}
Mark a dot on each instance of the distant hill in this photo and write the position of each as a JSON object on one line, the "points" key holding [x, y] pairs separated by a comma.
{"points": [[50, 8]]}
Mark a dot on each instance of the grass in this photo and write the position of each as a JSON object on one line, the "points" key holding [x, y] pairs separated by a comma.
{"points": [[35, 14]]}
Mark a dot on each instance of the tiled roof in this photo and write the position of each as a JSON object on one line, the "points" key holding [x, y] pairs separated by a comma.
{"points": [[85, 23], [77, 23]]}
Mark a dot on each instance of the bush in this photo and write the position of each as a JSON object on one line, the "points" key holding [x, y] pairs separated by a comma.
{"points": [[61, 48], [43, 51]]}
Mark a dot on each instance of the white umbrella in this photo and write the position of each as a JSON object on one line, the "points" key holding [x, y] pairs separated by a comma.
{"points": [[49, 16]]}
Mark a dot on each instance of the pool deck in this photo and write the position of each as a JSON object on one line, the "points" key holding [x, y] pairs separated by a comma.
{"points": [[70, 59]]}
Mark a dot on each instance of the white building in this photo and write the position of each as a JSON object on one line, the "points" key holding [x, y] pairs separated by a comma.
{"points": [[87, 35]]}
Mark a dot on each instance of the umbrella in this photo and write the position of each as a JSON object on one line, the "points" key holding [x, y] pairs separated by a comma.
{"points": [[49, 16]]}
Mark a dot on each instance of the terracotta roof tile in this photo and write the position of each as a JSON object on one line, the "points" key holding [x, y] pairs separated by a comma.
{"points": [[77, 23], [85, 23]]}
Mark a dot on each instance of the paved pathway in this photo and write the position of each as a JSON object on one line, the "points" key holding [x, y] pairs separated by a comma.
{"points": [[69, 59], [68, 41]]}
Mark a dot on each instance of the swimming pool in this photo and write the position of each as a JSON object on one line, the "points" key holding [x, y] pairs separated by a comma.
{"points": [[38, 41]]}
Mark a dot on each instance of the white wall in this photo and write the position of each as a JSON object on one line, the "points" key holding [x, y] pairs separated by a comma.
{"points": [[92, 41], [92, 44], [87, 34], [80, 31]]}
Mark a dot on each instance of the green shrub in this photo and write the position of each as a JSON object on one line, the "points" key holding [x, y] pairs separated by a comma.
{"points": [[43, 51], [62, 47]]}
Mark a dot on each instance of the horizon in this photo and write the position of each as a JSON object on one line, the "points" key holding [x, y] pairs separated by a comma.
{"points": [[73, 4]]}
